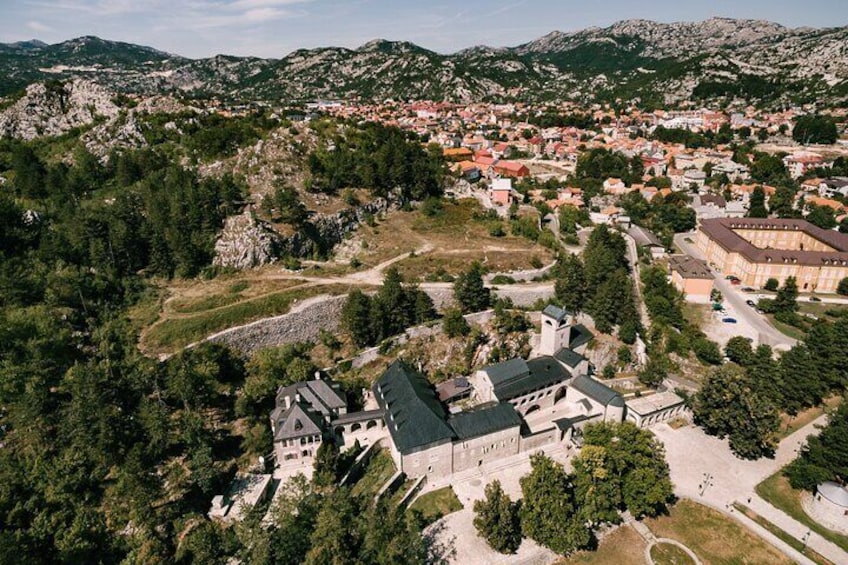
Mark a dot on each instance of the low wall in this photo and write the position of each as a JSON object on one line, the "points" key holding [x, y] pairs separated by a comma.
{"points": [[301, 324], [306, 320], [522, 276], [538, 439]]}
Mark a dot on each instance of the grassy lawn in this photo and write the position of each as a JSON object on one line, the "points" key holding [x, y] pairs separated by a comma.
{"points": [[786, 329], [622, 547], [785, 537], [436, 504], [713, 537], [777, 491], [379, 470], [172, 333], [818, 309], [790, 425], [457, 237], [668, 554]]}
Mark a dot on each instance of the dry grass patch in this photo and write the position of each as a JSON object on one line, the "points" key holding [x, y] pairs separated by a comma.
{"points": [[669, 554], [173, 333], [791, 424], [455, 230], [622, 547], [715, 538]]}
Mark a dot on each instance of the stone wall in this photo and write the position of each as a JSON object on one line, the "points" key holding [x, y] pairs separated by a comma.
{"points": [[305, 320], [303, 323]]}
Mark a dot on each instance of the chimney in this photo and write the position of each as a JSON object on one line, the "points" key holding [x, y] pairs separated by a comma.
{"points": [[288, 402]]}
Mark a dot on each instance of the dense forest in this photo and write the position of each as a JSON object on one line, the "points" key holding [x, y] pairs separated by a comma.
{"points": [[107, 456]]}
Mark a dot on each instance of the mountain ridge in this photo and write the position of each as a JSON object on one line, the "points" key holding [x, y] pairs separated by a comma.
{"points": [[640, 60]]}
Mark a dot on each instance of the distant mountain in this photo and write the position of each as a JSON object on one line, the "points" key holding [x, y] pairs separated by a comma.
{"points": [[747, 60]]}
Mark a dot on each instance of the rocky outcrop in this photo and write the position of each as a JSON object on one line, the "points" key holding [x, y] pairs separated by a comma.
{"points": [[328, 230], [246, 242], [55, 108]]}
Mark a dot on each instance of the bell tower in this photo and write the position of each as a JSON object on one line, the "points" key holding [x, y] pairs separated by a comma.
{"points": [[556, 330]]}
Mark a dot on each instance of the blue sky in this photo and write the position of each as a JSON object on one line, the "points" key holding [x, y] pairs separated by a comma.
{"points": [[273, 28]]}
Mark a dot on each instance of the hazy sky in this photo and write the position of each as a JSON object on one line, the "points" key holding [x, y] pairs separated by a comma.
{"points": [[273, 28]]}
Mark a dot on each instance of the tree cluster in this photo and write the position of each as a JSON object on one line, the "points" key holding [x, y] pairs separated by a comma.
{"points": [[395, 307], [663, 215], [743, 400], [379, 158], [825, 456], [600, 284], [598, 164], [620, 467], [814, 129]]}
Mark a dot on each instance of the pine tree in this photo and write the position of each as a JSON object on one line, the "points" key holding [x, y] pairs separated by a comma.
{"points": [[497, 519]]}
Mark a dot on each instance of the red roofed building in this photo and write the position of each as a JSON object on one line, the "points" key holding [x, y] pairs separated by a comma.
{"points": [[511, 169]]}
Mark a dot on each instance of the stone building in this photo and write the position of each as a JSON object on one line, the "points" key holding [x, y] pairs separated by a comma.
{"points": [[757, 249]]}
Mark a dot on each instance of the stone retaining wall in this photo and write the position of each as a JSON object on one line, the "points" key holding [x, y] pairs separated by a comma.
{"points": [[306, 320], [303, 323]]}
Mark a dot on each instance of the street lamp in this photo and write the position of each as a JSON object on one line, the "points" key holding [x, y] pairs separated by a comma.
{"points": [[705, 483]]}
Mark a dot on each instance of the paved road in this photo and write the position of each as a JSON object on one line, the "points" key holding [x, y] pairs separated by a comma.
{"points": [[768, 334], [693, 456], [633, 256]]}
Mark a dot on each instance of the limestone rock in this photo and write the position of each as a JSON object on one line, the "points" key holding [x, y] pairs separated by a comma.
{"points": [[47, 109], [245, 243]]}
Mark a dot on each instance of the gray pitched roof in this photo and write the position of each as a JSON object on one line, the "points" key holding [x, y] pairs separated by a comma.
{"points": [[644, 237], [413, 414], [353, 417], [569, 357], [318, 393], [506, 370], [476, 423], [298, 421], [580, 335], [541, 372], [597, 391], [555, 312]]}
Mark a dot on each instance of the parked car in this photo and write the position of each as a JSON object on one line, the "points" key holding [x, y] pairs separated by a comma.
{"points": [[815, 299], [748, 289], [731, 277], [735, 282], [729, 320], [751, 303]]}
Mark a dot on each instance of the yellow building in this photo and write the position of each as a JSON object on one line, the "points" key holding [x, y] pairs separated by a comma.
{"points": [[757, 249]]}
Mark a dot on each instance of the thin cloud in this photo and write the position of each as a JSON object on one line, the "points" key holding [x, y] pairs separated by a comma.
{"points": [[39, 27]]}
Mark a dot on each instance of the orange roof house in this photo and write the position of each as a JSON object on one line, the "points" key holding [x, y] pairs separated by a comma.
{"points": [[511, 169], [457, 154]]}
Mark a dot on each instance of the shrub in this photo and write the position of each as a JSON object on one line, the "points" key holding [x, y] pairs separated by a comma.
{"points": [[842, 287], [771, 284], [454, 324]]}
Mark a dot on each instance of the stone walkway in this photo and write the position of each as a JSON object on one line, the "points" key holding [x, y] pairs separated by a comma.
{"points": [[695, 457]]}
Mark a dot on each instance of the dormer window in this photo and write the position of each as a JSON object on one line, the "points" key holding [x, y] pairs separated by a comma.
{"points": [[298, 425]]}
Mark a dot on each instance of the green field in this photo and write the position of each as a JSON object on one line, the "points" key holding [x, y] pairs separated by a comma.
{"points": [[777, 491], [436, 504], [379, 470], [713, 537]]}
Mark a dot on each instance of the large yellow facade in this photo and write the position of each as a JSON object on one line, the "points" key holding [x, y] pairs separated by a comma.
{"points": [[775, 250]]}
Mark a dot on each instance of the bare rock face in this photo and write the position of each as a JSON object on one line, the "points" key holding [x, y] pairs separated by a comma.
{"points": [[246, 242], [56, 108]]}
